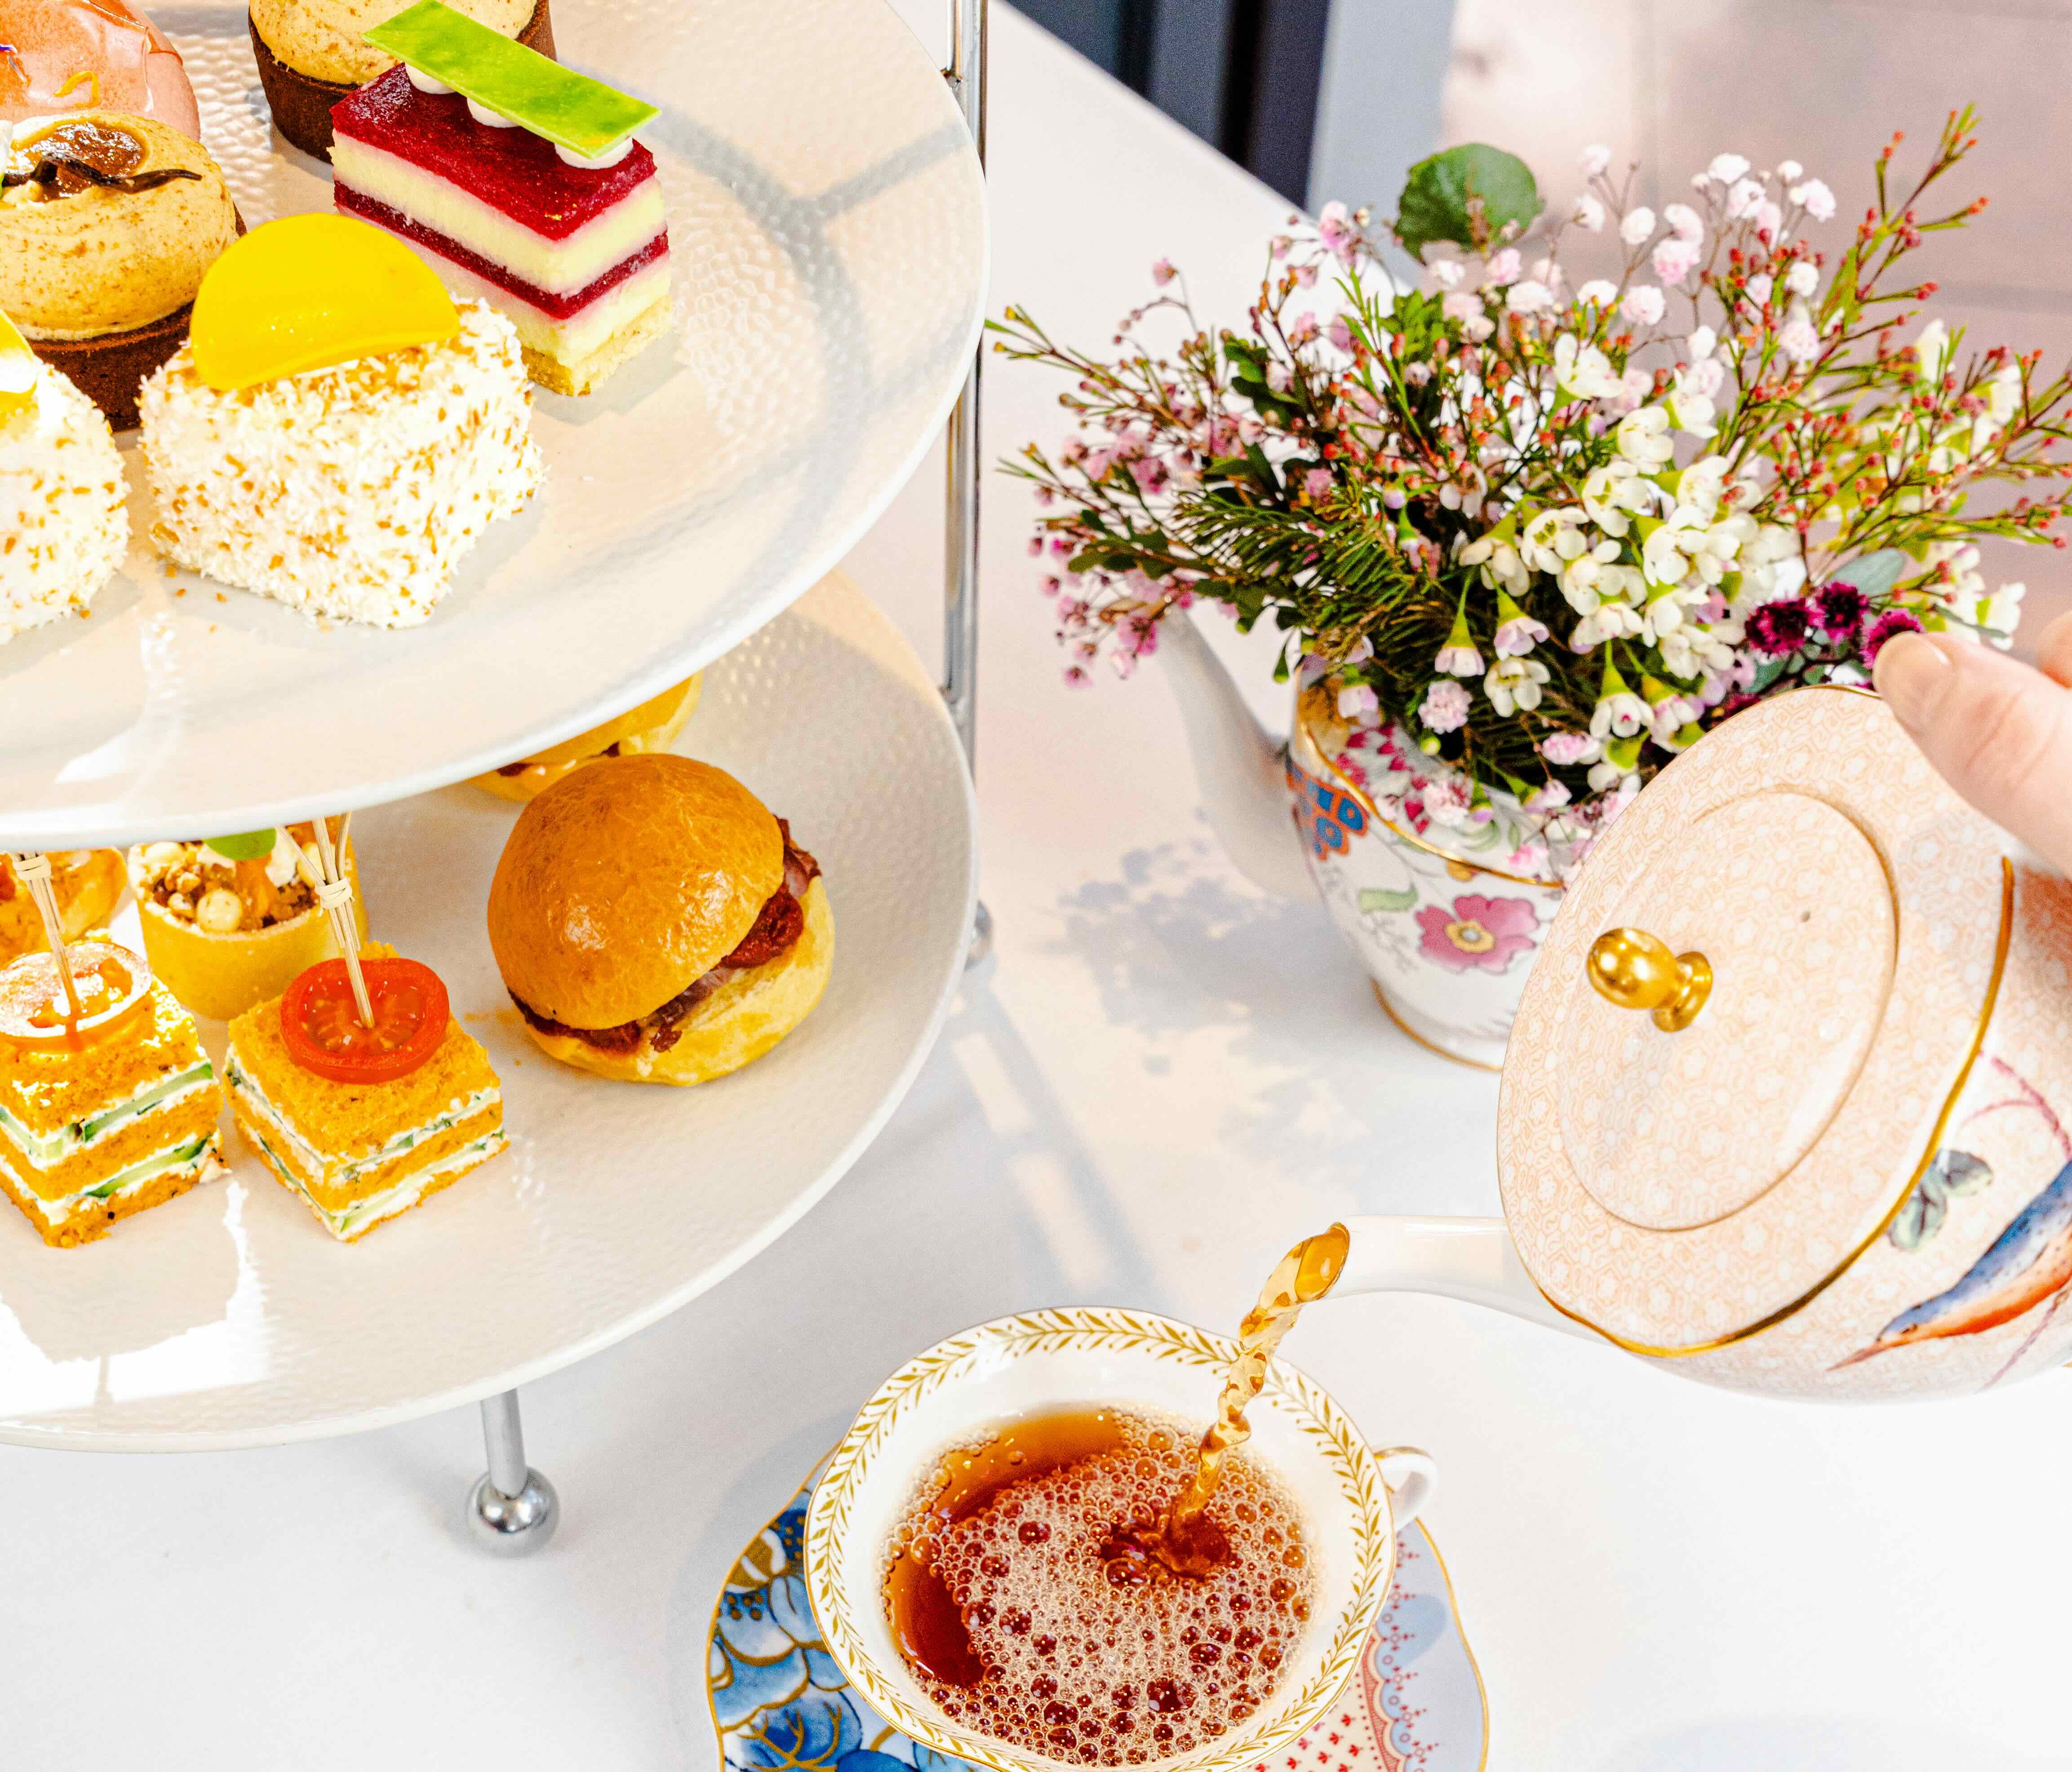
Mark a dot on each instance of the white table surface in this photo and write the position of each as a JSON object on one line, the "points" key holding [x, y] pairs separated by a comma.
{"points": [[1159, 1081]]}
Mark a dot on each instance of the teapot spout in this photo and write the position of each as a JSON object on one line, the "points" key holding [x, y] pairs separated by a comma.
{"points": [[1473, 1259], [1237, 763]]}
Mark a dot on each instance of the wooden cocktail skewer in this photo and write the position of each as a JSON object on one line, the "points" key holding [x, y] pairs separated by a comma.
{"points": [[34, 871], [335, 894]]}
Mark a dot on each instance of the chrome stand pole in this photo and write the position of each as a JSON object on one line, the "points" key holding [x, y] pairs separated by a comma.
{"points": [[966, 75], [513, 1509]]}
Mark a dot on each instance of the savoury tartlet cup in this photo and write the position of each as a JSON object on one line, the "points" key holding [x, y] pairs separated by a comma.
{"points": [[220, 977]]}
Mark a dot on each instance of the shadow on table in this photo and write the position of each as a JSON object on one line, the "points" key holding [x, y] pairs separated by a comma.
{"points": [[1322, 1083], [1820, 1743]]}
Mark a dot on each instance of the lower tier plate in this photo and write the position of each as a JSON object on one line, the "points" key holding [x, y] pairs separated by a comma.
{"points": [[228, 1317]]}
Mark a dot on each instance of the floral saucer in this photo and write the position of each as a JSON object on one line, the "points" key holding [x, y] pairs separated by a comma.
{"points": [[781, 1705]]}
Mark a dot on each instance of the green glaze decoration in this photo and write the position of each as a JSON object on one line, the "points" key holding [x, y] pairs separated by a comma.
{"points": [[583, 115]]}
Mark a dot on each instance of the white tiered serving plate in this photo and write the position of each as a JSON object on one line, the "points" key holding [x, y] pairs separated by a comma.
{"points": [[827, 223], [229, 1317]]}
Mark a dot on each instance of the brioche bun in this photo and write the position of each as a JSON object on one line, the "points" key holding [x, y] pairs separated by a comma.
{"points": [[653, 725], [87, 883], [627, 881], [740, 1021]]}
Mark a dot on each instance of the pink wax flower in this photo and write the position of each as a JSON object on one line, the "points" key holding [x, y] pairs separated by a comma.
{"points": [[1478, 934]]}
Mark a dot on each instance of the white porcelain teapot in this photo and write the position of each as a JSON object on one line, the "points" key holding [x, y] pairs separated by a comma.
{"points": [[1788, 1103]]}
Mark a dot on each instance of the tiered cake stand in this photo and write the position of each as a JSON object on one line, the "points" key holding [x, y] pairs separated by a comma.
{"points": [[827, 220]]}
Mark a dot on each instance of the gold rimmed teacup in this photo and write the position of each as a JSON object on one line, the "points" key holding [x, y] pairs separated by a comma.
{"points": [[1047, 1360]]}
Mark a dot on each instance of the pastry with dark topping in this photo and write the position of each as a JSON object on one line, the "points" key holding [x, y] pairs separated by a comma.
{"points": [[107, 222]]}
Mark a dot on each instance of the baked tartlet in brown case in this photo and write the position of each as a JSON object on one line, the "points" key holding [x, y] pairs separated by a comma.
{"points": [[301, 103], [101, 280]]}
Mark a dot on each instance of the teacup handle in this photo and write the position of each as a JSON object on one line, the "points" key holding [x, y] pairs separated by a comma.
{"points": [[1409, 1491]]}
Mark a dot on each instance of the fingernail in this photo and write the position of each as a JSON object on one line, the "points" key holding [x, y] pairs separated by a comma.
{"points": [[1911, 673]]}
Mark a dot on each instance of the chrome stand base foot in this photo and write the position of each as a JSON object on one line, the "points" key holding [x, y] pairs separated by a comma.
{"points": [[514, 1525], [513, 1510], [981, 936]]}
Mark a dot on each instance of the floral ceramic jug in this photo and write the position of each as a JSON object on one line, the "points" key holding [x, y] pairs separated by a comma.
{"points": [[1444, 913], [1788, 1106]]}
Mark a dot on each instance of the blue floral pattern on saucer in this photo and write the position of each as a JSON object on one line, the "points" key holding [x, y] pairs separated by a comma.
{"points": [[781, 1705]]}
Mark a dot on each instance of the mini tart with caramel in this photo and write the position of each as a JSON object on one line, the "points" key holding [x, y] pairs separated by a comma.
{"points": [[107, 222], [311, 53]]}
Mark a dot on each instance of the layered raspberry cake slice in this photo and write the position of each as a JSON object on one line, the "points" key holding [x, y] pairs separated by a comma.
{"points": [[520, 182]]}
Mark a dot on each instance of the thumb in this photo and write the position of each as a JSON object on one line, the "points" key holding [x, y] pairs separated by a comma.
{"points": [[1998, 732]]}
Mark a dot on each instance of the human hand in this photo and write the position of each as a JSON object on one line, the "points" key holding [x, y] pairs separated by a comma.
{"points": [[1998, 732]]}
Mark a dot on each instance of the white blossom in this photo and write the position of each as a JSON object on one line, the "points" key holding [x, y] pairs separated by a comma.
{"points": [[1815, 197], [1800, 342], [1513, 684], [1742, 201], [1673, 260], [1702, 343], [1803, 277], [1610, 621], [1597, 293], [1618, 715], [1703, 379], [1528, 297], [2001, 615], [1644, 438], [1789, 169], [1759, 287], [1501, 567], [1587, 213], [1684, 222], [1595, 159], [1643, 304], [1637, 225], [1727, 168], [1502, 269], [1931, 351], [1583, 370]]}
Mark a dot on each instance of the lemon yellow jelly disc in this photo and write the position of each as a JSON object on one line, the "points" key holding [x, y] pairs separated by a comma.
{"points": [[17, 370], [308, 291]]}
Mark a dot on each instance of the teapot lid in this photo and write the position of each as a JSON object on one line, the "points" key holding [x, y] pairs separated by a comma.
{"points": [[1795, 934]]}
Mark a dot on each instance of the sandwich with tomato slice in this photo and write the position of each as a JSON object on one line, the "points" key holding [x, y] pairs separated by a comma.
{"points": [[655, 922]]}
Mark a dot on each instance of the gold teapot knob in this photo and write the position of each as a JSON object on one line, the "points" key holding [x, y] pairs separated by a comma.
{"points": [[1634, 970]]}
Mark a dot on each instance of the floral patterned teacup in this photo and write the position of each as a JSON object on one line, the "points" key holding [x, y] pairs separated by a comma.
{"points": [[1353, 1500], [1444, 922]]}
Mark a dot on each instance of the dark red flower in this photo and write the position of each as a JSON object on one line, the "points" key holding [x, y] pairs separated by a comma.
{"points": [[1840, 609], [1778, 628], [1892, 622]]}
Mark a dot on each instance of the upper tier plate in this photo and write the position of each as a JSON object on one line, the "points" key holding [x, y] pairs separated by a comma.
{"points": [[827, 223], [227, 1318]]}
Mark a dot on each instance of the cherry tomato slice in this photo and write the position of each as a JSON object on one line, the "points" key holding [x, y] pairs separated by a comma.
{"points": [[113, 985], [320, 1023]]}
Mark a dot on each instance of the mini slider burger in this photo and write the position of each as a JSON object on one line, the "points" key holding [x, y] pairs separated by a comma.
{"points": [[654, 922], [653, 725]]}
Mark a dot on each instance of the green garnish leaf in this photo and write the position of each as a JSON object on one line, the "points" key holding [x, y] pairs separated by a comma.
{"points": [[245, 846]]}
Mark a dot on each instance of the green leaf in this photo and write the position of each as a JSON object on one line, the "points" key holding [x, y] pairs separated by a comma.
{"points": [[1386, 898], [1873, 574], [1435, 196], [246, 846]]}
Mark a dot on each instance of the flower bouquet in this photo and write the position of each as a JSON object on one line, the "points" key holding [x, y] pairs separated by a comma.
{"points": [[1525, 541]]}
